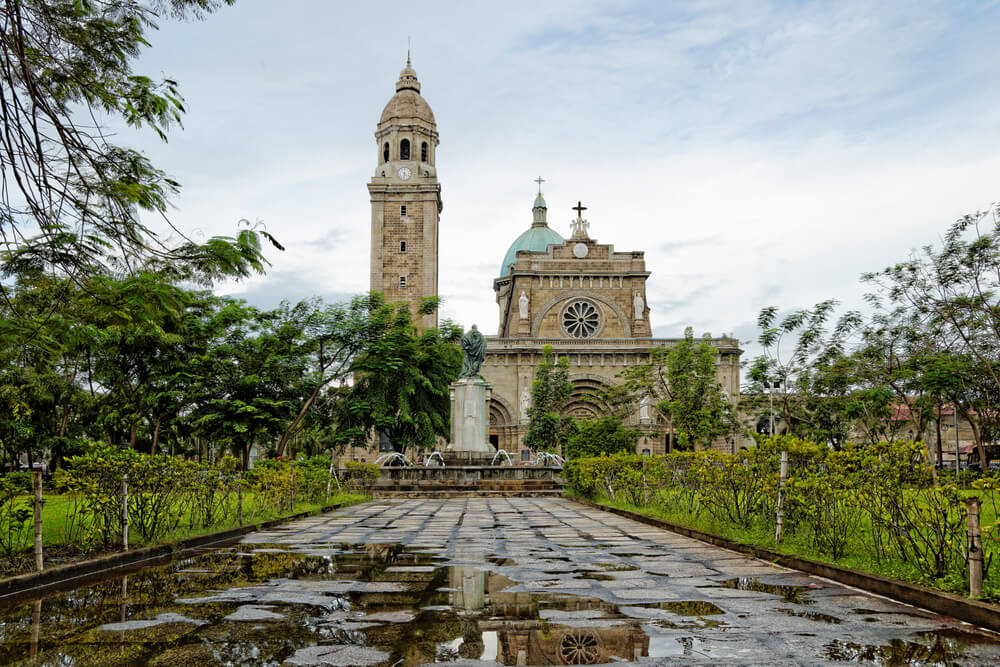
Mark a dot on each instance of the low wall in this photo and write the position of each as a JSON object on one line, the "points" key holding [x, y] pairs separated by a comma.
{"points": [[467, 474]]}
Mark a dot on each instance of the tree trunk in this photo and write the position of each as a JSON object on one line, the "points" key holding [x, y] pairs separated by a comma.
{"points": [[295, 422], [940, 449], [156, 434], [132, 434]]}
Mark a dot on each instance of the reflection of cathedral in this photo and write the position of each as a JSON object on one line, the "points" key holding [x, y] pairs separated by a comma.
{"points": [[513, 634], [582, 297]]}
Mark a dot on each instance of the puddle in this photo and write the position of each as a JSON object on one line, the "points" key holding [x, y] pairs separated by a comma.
{"points": [[384, 606], [686, 608], [344, 604], [810, 616], [793, 594], [924, 648], [616, 567]]}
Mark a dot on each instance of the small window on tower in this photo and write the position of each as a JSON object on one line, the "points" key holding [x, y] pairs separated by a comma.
{"points": [[402, 246], [402, 281], [385, 152], [423, 152], [404, 149], [402, 210]]}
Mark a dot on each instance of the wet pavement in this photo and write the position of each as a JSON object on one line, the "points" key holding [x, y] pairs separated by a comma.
{"points": [[520, 581]]}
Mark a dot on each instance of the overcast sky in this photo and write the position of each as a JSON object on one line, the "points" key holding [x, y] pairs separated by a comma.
{"points": [[760, 153]]}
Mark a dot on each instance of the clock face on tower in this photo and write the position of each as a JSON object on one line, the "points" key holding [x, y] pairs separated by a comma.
{"points": [[404, 173]]}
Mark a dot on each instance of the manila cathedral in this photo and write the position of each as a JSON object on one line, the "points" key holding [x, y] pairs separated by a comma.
{"points": [[583, 297]]}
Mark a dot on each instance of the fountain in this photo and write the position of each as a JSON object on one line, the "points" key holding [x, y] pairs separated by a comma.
{"points": [[388, 459], [429, 461], [497, 455], [547, 459]]}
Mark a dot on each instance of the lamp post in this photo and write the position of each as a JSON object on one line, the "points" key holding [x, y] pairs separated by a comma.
{"points": [[954, 412], [771, 386]]}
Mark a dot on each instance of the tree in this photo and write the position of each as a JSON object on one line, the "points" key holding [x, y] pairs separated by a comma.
{"points": [[604, 435], [954, 292], [813, 378], [548, 429], [698, 410], [250, 374], [681, 382], [72, 200], [401, 379]]}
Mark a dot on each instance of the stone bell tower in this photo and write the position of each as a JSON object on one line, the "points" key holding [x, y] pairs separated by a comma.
{"points": [[406, 200]]}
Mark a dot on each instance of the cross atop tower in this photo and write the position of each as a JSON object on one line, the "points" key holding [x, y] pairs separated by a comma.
{"points": [[539, 180], [579, 226]]}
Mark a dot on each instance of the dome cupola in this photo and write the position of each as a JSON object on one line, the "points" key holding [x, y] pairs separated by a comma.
{"points": [[536, 238]]}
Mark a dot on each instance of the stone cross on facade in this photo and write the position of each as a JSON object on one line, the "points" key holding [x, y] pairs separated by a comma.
{"points": [[579, 226]]}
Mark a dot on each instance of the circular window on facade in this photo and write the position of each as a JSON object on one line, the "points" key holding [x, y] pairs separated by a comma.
{"points": [[581, 319]]}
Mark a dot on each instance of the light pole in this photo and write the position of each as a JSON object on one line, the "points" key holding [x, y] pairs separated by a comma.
{"points": [[954, 411], [771, 386]]}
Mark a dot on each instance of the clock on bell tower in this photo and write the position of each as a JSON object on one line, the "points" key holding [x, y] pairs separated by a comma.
{"points": [[406, 200]]}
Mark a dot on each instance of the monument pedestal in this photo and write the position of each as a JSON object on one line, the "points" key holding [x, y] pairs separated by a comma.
{"points": [[469, 416]]}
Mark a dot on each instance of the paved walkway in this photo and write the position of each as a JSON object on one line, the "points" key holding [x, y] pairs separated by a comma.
{"points": [[625, 587]]}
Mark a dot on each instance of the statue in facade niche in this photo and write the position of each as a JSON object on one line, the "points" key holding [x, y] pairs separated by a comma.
{"points": [[525, 403], [639, 305], [522, 305], [474, 345]]}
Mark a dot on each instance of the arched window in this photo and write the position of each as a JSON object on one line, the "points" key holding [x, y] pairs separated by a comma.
{"points": [[423, 152], [385, 152], [404, 149]]}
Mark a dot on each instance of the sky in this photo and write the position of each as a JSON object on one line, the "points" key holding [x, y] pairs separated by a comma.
{"points": [[760, 153]]}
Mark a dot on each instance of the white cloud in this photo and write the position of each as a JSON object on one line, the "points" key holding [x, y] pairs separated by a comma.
{"points": [[758, 152]]}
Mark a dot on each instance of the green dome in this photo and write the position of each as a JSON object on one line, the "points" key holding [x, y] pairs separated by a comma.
{"points": [[537, 239]]}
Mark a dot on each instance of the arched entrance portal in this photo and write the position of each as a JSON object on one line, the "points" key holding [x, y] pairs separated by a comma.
{"points": [[500, 434], [583, 400]]}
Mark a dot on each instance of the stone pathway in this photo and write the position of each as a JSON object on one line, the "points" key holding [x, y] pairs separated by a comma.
{"points": [[628, 587]]}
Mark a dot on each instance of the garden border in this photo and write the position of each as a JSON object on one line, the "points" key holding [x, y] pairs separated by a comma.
{"points": [[972, 611], [12, 589]]}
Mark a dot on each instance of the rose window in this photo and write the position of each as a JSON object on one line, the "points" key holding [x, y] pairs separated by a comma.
{"points": [[581, 319], [579, 647]]}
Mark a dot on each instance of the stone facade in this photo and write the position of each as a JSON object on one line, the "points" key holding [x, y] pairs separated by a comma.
{"points": [[582, 297], [589, 302], [406, 200]]}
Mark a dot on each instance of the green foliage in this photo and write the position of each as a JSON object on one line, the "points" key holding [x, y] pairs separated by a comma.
{"points": [[605, 435], [400, 379], [63, 60], [16, 517], [682, 383], [875, 503], [697, 409], [548, 430], [361, 477]]}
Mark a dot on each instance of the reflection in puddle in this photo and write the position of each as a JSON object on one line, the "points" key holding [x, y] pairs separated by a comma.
{"points": [[942, 648], [794, 594], [252, 606], [810, 615], [389, 605]]}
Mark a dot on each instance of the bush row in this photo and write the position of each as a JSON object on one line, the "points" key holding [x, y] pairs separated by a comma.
{"points": [[165, 494], [880, 502]]}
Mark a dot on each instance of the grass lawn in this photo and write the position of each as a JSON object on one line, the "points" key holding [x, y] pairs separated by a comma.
{"points": [[61, 543], [800, 544]]}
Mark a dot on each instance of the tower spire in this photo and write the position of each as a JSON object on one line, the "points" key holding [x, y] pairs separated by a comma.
{"points": [[407, 50]]}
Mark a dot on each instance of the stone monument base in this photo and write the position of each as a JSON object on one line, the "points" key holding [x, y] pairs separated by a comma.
{"points": [[469, 416]]}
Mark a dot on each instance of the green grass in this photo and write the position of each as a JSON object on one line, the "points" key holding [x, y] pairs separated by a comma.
{"points": [[56, 510], [800, 544]]}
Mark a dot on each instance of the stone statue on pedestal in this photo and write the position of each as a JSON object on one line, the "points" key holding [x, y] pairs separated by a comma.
{"points": [[474, 346], [522, 305]]}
